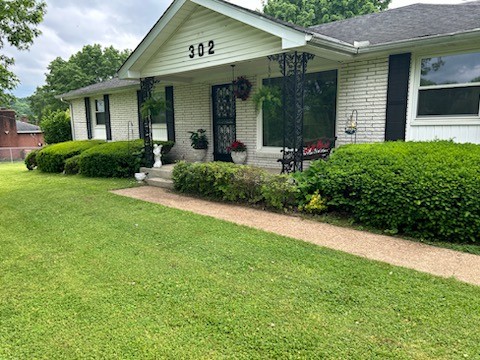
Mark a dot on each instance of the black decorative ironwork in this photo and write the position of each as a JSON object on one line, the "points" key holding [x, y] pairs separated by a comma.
{"points": [[293, 67], [224, 120], [146, 92]]}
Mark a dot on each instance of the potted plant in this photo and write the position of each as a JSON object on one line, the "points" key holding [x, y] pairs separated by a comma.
{"points": [[199, 142], [267, 96], [238, 150]]}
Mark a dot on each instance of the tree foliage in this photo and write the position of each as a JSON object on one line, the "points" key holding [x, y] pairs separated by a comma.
{"points": [[90, 65], [56, 127], [314, 12], [18, 28]]}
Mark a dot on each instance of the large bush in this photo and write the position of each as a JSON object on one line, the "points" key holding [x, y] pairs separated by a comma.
{"points": [[56, 127], [426, 190], [52, 158], [116, 159], [238, 183], [31, 159]]}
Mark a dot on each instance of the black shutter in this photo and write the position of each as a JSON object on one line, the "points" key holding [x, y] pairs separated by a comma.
{"points": [[108, 124], [88, 117], [170, 113], [140, 120], [398, 77]]}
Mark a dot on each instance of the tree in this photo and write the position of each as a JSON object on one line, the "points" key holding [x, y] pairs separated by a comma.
{"points": [[90, 65], [314, 12], [56, 127], [22, 108], [18, 28]]}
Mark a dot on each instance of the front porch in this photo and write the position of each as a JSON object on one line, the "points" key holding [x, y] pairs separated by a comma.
{"points": [[237, 44]]}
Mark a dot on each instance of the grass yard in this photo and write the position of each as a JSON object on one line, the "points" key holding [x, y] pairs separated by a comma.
{"points": [[88, 274]]}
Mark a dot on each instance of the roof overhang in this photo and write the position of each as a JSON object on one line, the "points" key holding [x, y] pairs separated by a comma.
{"points": [[421, 42]]}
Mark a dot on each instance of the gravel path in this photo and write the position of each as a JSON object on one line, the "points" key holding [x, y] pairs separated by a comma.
{"points": [[437, 261]]}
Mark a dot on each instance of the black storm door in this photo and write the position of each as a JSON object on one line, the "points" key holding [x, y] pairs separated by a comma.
{"points": [[224, 121]]}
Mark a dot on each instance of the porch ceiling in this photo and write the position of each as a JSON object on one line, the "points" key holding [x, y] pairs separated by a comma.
{"points": [[250, 68]]}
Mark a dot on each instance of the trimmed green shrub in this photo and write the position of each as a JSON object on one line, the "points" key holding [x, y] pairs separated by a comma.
{"points": [[72, 165], [31, 159], [426, 190], [56, 127], [116, 159], [52, 158], [236, 183]]}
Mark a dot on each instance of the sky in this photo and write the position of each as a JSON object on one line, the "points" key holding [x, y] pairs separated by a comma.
{"points": [[71, 24]]}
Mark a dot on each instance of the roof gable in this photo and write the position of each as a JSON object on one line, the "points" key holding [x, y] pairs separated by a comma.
{"points": [[182, 11]]}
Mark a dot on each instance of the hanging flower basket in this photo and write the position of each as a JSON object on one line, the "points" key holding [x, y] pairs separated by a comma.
{"points": [[242, 88]]}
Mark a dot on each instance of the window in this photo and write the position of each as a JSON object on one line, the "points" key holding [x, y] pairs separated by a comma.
{"points": [[449, 86], [161, 116], [100, 112], [320, 109]]}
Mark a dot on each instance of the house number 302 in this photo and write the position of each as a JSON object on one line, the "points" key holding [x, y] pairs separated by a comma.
{"points": [[201, 49]]}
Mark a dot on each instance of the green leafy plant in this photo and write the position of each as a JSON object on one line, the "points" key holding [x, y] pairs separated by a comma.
{"points": [[236, 183], [153, 106], [72, 165], [56, 127], [116, 159], [425, 190], [31, 159], [198, 139], [315, 203], [52, 158], [267, 96]]}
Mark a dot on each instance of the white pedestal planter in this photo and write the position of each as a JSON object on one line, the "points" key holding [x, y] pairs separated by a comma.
{"points": [[199, 155], [239, 157]]}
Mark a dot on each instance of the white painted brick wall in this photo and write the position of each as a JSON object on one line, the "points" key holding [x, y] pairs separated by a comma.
{"points": [[362, 85], [79, 119], [192, 106], [123, 109], [124, 115]]}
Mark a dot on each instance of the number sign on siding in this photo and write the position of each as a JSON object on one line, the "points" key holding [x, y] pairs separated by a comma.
{"points": [[201, 50]]}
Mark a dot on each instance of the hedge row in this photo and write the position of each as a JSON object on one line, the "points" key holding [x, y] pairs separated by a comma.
{"points": [[94, 158], [426, 190], [116, 159], [237, 183], [52, 158]]}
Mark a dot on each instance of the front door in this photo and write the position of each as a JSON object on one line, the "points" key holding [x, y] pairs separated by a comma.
{"points": [[224, 121]]}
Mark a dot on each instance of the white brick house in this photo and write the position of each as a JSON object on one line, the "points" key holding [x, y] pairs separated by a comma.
{"points": [[411, 73]]}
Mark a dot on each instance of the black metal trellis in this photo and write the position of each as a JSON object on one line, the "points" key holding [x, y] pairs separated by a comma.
{"points": [[293, 67], [146, 92]]}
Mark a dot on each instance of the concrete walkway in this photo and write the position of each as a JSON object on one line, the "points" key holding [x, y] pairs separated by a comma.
{"points": [[437, 261]]}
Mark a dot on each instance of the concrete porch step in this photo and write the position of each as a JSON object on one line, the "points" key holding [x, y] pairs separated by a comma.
{"points": [[160, 182], [165, 172]]}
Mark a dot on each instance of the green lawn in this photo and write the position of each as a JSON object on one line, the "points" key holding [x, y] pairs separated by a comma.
{"points": [[88, 274]]}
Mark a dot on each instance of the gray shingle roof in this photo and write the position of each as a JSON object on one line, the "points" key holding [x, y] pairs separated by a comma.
{"points": [[108, 85], [27, 128], [405, 23]]}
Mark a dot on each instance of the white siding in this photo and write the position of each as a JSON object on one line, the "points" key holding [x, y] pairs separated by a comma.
{"points": [[362, 86], [459, 133], [234, 42]]}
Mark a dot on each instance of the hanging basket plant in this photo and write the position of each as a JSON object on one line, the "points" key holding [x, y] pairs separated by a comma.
{"points": [[242, 88], [267, 96], [153, 106]]}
